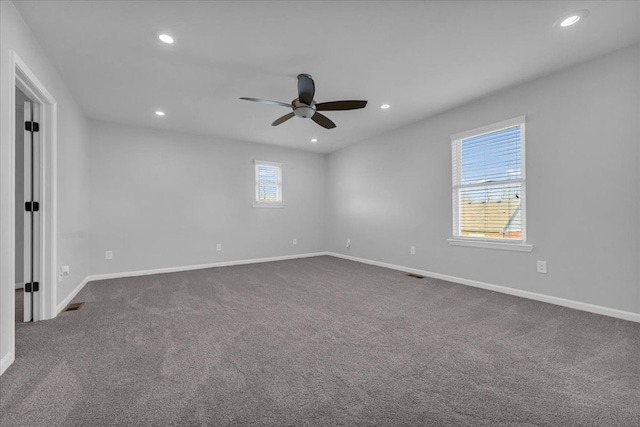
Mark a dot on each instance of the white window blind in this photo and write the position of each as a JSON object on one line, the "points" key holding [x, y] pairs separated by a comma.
{"points": [[268, 183], [489, 182]]}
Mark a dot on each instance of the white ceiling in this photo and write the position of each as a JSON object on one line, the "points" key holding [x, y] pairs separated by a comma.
{"points": [[420, 57]]}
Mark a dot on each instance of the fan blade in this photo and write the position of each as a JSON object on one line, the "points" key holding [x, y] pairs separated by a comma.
{"points": [[306, 88], [266, 101], [323, 121], [282, 119], [340, 105]]}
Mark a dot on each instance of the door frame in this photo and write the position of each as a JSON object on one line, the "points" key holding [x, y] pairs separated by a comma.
{"points": [[24, 79]]}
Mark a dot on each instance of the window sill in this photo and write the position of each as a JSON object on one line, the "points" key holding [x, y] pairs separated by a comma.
{"points": [[268, 205], [519, 247]]}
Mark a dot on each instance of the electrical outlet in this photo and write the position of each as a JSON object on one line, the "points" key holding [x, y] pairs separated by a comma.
{"points": [[63, 271], [108, 255], [219, 247], [412, 250], [542, 267], [295, 241], [348, 243]]}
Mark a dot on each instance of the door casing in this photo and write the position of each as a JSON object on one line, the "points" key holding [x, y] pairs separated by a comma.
{"points": [[24, 79]]}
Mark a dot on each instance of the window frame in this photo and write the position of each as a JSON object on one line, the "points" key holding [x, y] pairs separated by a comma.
{"points": [[257, 203], [488, 242]]}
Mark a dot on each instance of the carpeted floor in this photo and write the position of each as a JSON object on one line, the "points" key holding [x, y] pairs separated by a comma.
{"points": [[19, 305], [323, 342]]}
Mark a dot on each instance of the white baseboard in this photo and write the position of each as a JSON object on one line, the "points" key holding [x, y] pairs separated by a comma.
{"points": [[19, 285], [94, 277], [6, 361], [201, 266], [65, 302], [606, 311]]}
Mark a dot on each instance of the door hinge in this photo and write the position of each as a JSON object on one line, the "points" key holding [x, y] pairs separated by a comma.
{"points": [[31, 126], [31, 206], [32, 287]]}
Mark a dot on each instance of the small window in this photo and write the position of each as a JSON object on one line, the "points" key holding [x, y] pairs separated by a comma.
{"points": [[268, 184], [489, 183]]}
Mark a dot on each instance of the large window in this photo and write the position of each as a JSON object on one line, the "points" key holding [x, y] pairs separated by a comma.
{"points": [[268, 184], [489, 183]]}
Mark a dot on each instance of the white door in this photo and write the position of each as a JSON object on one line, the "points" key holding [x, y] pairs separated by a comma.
{"points": [[31, 218]]}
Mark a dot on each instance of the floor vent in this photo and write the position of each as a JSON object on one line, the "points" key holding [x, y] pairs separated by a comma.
{"points": [[415, 276], [73, 307]]}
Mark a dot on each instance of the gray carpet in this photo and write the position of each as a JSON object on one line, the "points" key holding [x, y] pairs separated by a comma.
{"points": [[19, 305], [323, 342]]}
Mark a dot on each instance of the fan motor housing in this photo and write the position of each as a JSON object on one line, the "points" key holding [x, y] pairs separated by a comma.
{"points": [[303, 110]]}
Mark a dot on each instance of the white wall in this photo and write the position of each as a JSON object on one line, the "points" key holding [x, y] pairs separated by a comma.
{"points": [[72, 173], [583, 195], [161, 199]]}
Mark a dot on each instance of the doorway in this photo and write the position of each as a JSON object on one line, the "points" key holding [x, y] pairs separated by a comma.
{"points": [[44, 302], [38, 129]]}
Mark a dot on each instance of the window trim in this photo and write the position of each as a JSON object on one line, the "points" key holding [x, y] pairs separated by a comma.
{"points": [[267, 204], [487, 242], [483, 243]]}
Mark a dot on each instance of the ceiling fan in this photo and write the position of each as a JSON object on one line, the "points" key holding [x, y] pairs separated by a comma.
{"points": [[305, 107]]}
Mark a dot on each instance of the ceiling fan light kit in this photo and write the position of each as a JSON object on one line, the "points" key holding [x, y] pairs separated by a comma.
{"points": [[303, 111], [305, 107]]}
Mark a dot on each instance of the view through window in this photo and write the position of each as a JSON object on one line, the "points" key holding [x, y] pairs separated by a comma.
{"points": [[268, 182], [488, 183]]}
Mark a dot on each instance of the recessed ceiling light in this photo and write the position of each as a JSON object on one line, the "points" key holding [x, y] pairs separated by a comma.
{"points": [[570, 21], [159, 113], [385, 106], [165, 38], [314, 139], [572, 18]]}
